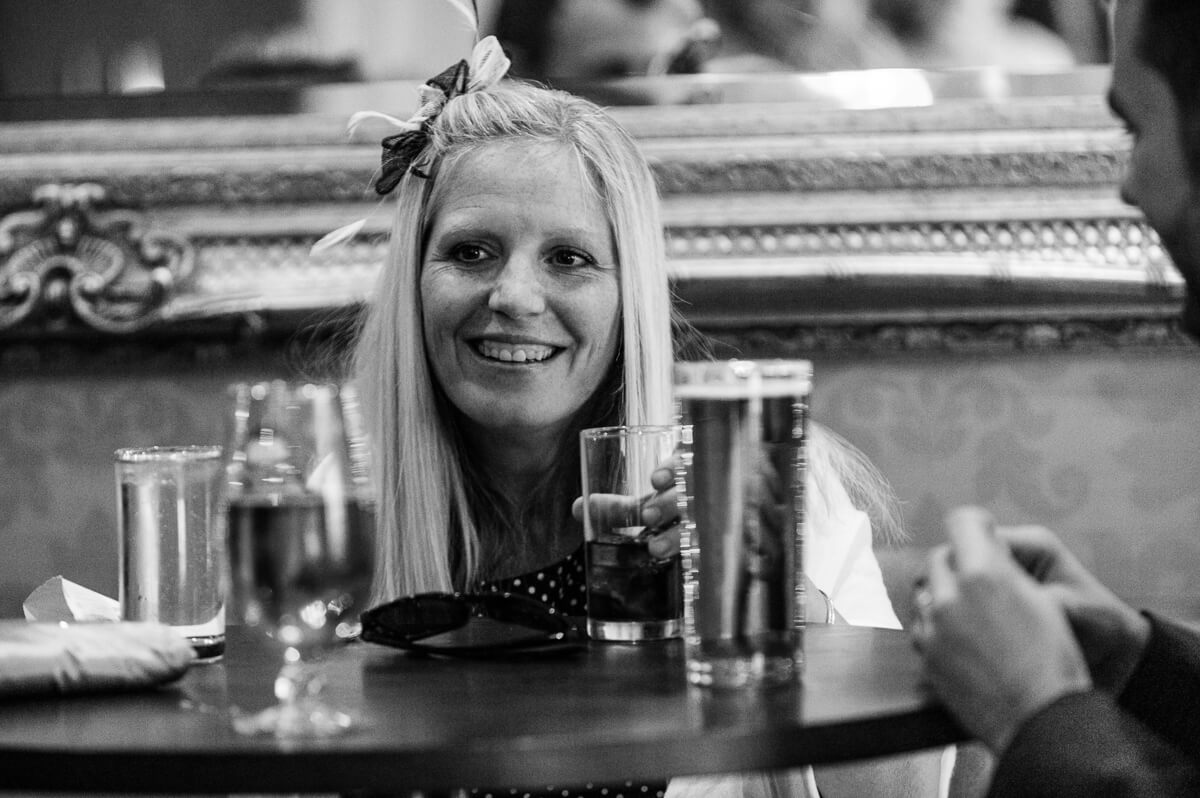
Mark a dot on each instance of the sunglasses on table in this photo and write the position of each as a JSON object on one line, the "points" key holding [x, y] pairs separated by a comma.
{"points": [[481, 625]]}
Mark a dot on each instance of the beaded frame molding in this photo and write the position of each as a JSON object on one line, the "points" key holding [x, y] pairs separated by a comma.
{"points": [[793, 228]]}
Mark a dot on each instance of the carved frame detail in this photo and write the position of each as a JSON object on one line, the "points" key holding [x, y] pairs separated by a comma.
{"points": [[68, 259], [792, 228]]}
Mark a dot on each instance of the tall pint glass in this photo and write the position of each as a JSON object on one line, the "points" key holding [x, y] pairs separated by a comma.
{"points": [[742, 541]]}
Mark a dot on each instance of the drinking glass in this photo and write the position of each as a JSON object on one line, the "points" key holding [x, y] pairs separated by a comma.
{"points": [[632, 595], [300, 528], [170, 543], [743, 536]]}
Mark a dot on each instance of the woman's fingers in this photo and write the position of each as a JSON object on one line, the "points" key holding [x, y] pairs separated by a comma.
{"points": [[664, 544], [663, 477], [611, 512], [661, 509], [652, 516]]}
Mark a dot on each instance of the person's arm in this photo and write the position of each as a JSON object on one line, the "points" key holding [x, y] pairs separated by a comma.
{"points": [[1151, 748], [1083, 745], [1164, 690]]}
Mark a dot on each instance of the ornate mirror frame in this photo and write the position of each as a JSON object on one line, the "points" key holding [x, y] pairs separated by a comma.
{"points": [[794, 226]]}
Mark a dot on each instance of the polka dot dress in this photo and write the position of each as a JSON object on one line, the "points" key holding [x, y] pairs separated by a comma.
{"points": [[626, 790], [561, 585]]}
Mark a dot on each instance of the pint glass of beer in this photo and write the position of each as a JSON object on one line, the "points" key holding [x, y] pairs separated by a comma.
{"points": [[742, 543]]}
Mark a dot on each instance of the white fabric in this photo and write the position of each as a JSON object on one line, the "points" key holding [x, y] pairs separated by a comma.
{"points": [[65, 657], [59, 599], [73, 641], [798, 783], [840, 559]]}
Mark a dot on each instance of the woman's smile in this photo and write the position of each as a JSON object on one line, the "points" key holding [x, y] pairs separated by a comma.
{"points": [[515, 353]]}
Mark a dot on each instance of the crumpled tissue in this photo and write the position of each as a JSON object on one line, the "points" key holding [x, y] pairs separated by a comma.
{"points": [[73, 643], [59, 599]]}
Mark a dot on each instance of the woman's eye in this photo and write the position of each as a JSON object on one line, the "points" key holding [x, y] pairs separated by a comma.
{"points": [[469, 253], [571, 259]]}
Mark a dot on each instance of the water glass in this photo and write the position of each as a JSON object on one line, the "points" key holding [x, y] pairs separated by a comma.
{"points": [[742, 541], [171, 553], [300, 539]]}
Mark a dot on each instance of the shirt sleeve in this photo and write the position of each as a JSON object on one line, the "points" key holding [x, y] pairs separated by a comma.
{"points": [[839, 556], [1164, 691], [1083, 745]]}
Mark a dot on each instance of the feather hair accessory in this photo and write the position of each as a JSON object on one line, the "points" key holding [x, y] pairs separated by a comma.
{"points": [[487, 66]]}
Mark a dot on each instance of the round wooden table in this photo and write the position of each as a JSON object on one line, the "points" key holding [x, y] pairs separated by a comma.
{"points": [[612, 713]]}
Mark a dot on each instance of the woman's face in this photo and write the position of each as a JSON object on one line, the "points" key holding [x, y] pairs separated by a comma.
{"points": [[519, 289]]}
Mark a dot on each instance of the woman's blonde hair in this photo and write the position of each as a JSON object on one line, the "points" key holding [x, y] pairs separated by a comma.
{"points": [[427, 535]]}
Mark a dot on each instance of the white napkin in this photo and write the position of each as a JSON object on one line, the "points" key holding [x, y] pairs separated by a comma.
{"points": [[77, 657], [74, 642], [59, 599]]}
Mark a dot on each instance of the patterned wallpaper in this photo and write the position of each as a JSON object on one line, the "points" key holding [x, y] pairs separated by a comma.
{"points": [[1104, 447], [57, 487]]}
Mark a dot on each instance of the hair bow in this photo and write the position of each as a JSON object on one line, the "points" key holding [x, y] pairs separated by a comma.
{"points": [[487, 66]]}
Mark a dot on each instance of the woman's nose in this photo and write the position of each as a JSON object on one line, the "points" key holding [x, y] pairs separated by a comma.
{"points": [[517, 290]]}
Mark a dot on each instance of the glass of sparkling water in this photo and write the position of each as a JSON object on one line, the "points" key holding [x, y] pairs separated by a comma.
{"points": [[171, 553]]}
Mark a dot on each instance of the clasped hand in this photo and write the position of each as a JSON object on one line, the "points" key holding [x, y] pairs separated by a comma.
{"points": [[1008, 621]]}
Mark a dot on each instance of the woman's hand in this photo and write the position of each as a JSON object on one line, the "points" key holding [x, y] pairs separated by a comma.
{"points": [[654, 516]]}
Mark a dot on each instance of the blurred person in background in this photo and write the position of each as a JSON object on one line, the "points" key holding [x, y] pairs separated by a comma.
{"points": [[598, 39], [800, 35], [1081, 24], [594, 39], [940, 34]]}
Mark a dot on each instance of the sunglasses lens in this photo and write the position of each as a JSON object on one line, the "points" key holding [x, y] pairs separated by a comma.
{"points": [[484, 633], [474, 624], [415, 617], [521, 611]]}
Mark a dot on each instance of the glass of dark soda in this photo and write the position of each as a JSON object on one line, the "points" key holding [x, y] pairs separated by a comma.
{"points": [[634, 593]]}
